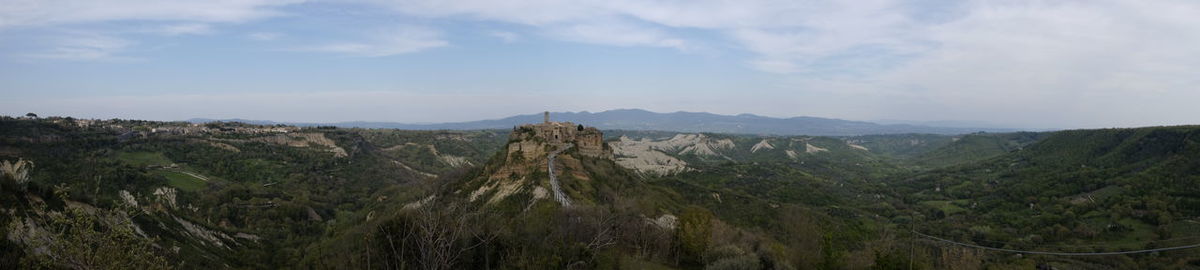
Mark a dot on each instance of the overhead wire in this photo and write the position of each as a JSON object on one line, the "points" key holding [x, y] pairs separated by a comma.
{"points": [[1057, 253], [1089, 245]]}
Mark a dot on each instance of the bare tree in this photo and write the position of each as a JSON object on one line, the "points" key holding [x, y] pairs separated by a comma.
{"points": [[431, 238], [593, 227], [18, 171]]}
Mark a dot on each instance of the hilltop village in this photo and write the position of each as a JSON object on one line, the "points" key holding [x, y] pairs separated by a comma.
{"points": [[129, 129], [528, 137]]}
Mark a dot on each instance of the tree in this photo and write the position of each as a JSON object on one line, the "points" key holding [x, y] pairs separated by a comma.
{"points": [[730, 257], [31, 115], [895, 259], [831, 254], [694, 232], [17, 172], [83, 239], [429, 238]]}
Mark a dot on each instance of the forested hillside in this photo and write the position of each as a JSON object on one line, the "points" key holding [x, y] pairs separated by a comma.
{"points": [[1074, 191], [233, 195], [227, 194]]}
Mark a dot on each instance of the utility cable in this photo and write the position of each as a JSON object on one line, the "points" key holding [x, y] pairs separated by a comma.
{"points": [[1057, 253]]}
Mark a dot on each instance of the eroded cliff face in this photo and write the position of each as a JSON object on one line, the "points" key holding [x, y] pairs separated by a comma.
{"points": [[659, 157]]}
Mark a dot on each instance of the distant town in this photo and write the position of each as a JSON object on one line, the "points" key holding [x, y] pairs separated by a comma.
{"points": [[142, 128]]}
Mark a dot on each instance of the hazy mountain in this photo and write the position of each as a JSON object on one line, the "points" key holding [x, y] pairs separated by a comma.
{"points": [[942, 123], [636, 119]]}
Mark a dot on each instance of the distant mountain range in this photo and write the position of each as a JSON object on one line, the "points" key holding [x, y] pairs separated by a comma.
{"points": [[637, 119]]}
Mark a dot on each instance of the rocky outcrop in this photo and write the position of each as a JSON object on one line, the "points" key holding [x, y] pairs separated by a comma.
{"points": [[304, 140], [643, 157], [763, 145], [684, 144], [528, 154], [655, 156], [809, 148]]}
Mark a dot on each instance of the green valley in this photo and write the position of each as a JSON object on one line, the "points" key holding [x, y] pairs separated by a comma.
{"points": [[234, 195]]}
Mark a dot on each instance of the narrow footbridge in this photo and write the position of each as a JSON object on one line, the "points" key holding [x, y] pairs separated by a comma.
{"points": [[558, 194]]}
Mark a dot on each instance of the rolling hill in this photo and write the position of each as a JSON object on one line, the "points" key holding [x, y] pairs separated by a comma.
{"points": [[636, 119], [234, 195]]}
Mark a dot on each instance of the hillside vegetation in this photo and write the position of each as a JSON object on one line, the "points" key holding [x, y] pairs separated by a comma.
{"points": [[233, 195]]}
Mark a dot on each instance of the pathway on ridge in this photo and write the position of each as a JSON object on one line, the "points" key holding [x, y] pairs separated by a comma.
{"points": [[558, 194]]}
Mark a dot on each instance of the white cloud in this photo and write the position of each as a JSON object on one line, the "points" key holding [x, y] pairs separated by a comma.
{"points": [[530, 12], [787, 36], [398, 40], [616, 33], [1083, 63], [170, 18], [85, 47], [17, 13], [1048, 63], [264, 36], [595, 22], [507, 37], [184, 29], [1051, 62]]}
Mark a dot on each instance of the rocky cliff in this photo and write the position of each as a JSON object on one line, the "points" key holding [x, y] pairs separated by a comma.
{"points": [[523, 166]]}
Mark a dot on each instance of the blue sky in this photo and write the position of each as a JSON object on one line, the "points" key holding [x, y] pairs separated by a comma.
{"points": [[1035, 64]]}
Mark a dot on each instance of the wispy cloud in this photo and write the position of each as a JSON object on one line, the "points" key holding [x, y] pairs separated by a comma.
{"points": [[1065, 60], [85, 47], [507, 37], [57, 12], [975, 58], [264, 36], [1049, 61], [595, 22], [183, 29], [785, 36], [168, 18], [616, 33], [389, 42]]}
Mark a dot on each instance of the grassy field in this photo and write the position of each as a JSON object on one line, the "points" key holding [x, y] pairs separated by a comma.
{"points": [[176, 179], [182, 181], [947, 207], [1141, 234], [143, 158]]}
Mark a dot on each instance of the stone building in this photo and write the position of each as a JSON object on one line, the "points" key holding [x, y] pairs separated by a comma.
{"points": [[589, 140]]}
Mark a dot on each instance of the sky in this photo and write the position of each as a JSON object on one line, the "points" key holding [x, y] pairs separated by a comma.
{"points": [[1014, 63]]}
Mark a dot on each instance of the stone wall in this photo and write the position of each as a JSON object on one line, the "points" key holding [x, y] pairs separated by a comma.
{"points": [[589, 141]]}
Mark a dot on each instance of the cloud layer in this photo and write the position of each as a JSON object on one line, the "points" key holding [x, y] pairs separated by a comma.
{"points": [[18, 13], [1069, 63], [393, 41]]}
